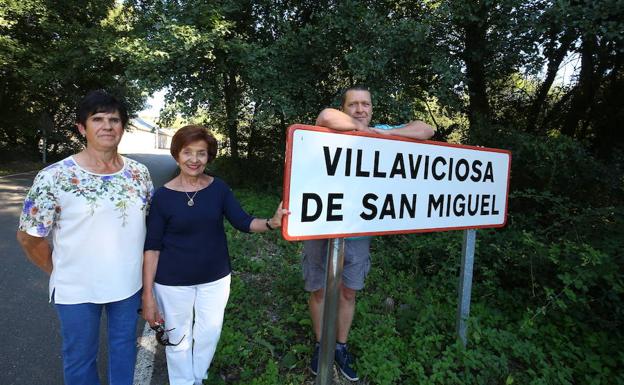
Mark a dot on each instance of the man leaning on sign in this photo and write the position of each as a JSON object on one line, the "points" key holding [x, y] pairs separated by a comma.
{"points": [[354, 115]]}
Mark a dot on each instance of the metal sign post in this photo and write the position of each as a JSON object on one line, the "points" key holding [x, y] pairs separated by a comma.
{"points": [[333, 281], [46, 124], [465, 283]]}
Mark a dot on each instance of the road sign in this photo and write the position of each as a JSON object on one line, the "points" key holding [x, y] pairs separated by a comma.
{"points": [[342, 184]]}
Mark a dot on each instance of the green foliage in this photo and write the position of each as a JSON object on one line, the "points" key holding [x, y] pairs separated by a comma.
{"points": [[52, 54], [547, 304]]}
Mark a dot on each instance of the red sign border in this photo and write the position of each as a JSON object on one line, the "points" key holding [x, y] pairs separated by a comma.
{"points": [[288, 169]]}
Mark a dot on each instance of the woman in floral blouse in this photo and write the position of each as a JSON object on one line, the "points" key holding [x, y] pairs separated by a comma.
{"points": [[95, 201]]}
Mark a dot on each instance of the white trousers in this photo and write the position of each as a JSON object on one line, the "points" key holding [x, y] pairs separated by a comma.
{"points": [[195, 313]]}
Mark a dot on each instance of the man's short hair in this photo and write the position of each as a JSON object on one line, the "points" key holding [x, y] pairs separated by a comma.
{"points": [[357, 87], [100, 101]]}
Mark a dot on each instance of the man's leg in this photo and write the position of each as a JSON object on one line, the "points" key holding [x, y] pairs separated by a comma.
{"points": [[121, 327], [313, 266], [356, 267], [315, 304], [346, 310], [80, 326], [345, 317]]}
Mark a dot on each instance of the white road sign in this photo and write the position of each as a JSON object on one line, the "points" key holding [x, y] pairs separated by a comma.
{"points": [[342, 184]]}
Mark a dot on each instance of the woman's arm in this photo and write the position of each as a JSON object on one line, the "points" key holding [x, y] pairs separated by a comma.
{"points": [[37, 249], [150, 310], [259, 225]]}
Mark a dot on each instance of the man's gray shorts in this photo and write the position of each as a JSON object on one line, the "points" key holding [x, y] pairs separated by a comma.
{"points": [[356, 263]]}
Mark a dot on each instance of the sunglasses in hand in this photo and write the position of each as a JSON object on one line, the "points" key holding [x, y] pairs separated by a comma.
{"points": [[161, 333], [162, 337]]}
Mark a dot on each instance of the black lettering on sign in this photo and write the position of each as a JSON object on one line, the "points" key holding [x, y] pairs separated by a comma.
{"points": [[461, 176], [358, 165], [485, 202], [461, 205], [366, 202], [331, 164], [333, 206], [388, 208], [376, 172], [398, 168], [489, 173], [305, 217], [494, 211], [434, 168], [405, 206], [435, 204]]}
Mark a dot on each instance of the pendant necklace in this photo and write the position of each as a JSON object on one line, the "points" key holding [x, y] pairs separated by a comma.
{"points": [[191, 202]]}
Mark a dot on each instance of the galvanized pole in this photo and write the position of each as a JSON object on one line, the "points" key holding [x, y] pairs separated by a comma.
{"points": [[465, 283], [333, 281], [46, 125], [44, 158]]}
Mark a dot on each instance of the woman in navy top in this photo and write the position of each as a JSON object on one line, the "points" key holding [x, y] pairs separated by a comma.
{"points": [[186, 267]]}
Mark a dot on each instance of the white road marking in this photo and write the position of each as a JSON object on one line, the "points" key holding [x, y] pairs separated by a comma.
{"points": [[146, 354]]}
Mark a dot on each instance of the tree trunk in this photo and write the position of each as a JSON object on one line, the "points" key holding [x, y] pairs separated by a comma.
{"points": [[608, 127], [474, 57], [553, 67], [585, 90], [231, 111], [253, 133]]}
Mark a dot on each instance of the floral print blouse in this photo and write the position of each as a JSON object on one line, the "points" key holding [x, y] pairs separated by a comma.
{"points": [[99, 228]]}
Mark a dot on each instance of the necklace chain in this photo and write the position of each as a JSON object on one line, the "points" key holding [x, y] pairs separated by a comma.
{"points": [[191, 202]]}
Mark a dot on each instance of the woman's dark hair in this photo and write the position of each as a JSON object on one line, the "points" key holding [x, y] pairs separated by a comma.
{"points": [[192, 133], [100, 101]]}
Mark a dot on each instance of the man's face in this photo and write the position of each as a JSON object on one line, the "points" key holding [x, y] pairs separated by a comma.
{"points": [[358, 105], [103, 130]]}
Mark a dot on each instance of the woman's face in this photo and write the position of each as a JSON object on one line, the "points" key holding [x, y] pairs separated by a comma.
{"points": [[193, 158], [103, 130]]}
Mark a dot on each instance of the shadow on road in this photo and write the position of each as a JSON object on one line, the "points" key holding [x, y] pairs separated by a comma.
{"points": [[31, 348]]}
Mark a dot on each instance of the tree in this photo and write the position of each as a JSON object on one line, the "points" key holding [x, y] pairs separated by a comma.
{"points": [[52, 54]]}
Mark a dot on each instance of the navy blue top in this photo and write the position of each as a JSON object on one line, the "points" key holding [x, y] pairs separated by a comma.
{"points": [[191, 239]]}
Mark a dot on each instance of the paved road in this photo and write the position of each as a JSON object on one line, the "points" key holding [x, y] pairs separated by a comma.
{"points": [[30, 342]]}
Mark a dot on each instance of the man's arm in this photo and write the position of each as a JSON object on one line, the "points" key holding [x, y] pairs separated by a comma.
{"points": [[338, 120], [37, 249], [415, 129]]}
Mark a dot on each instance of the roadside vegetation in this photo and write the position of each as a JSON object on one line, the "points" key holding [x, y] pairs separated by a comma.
{"points": [[547, 303]]}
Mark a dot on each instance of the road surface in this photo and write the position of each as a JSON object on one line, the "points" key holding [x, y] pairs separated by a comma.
{"points": [[30, 343]]}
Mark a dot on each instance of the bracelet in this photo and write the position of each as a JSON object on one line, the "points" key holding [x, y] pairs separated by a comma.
{"points": [[268, 225]]}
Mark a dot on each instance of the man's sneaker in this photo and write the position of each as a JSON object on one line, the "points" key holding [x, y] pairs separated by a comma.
{"points": [[315, 359], [344, 360]]}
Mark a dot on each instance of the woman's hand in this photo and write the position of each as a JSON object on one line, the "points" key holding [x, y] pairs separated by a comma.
{"points": [[276, 221], [150, 311]]}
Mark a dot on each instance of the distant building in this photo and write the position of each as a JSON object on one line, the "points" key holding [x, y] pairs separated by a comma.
{"points": [[142, 136]]}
